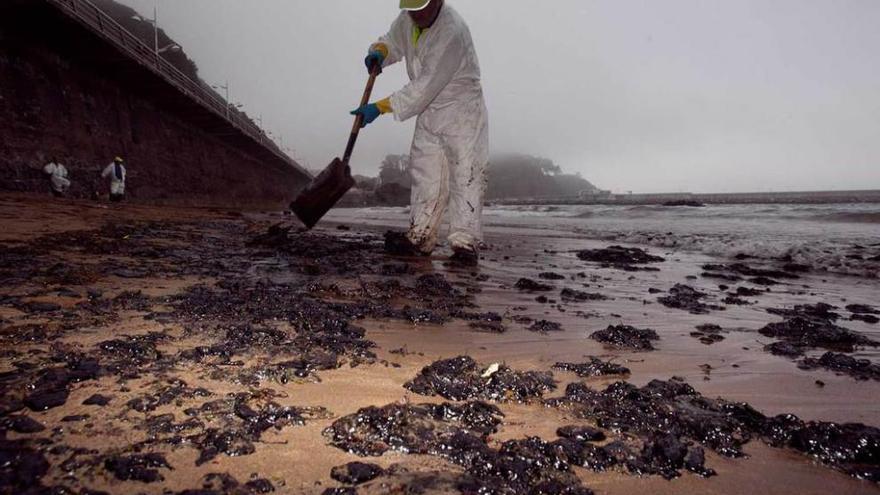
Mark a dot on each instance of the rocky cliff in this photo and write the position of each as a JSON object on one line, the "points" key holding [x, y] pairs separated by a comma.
{"points": [[64, 92]]}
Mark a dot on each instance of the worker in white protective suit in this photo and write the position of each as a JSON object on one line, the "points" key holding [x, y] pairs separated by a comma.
{"points": [[116, 172], [58, 180], [450, 149]]}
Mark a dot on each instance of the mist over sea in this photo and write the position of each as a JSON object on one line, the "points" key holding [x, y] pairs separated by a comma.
{"points": [[835, 238]]}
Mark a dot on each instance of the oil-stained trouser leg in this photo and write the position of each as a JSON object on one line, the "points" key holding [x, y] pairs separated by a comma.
{"points": [[468, 156], [430, 189]]}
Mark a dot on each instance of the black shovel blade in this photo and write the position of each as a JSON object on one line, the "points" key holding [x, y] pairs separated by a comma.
{"points": [[323, 193]]}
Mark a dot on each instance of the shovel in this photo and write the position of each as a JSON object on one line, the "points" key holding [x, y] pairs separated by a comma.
{"points": [[334, 181]]}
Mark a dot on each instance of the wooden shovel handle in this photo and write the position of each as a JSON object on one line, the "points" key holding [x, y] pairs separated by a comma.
{"points": [[359, 119]]}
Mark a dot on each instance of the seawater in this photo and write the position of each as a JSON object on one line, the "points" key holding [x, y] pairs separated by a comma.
{"points": [[834, 238]]}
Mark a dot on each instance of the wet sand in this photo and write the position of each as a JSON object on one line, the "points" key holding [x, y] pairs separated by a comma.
{"points": [[164, 252]]}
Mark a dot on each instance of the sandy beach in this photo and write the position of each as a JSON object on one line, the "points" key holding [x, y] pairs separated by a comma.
{"points": [[158, 349]]}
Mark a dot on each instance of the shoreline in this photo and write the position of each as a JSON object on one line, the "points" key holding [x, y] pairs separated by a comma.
{"points": [[838, 239]]}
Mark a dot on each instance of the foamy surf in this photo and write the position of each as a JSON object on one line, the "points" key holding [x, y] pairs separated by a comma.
{"points": [[833, 238], [841, 239], [852, 259]]}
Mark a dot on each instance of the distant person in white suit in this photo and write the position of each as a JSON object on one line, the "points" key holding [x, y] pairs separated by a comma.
{"points": [[58, 180], [116, 172]]}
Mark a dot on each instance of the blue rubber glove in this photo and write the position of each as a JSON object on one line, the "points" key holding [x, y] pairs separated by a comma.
{"points": [[370, 112], [374, 58]]}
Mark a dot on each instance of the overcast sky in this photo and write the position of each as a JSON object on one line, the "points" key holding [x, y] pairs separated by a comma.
{"points": [[648, 96]]}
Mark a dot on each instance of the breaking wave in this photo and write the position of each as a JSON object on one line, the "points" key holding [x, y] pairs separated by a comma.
{"points": [[841, 239], [848, 217], [829, 256]]}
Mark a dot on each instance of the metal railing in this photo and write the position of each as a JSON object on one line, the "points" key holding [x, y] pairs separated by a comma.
{"points": [[103, 24]]}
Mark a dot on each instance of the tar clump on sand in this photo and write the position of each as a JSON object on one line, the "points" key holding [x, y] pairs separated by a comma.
{"points": [[860, 369], [864, 312], [226, 484], [459, 434], [138, 467], [689, 299], [397, 243], [595, 367], [413, 428], [812, 326], [529, 285], [355, 473], [621, 258], [461, 378], [626, 336], [667, 415], [708, 333], [545, 326], [761, 276], [21, 467], [572, 295], [238, 422], [665, 426]]}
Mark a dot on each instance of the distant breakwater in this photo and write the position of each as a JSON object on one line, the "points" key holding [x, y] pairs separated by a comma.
{"points": [[799, 197]]}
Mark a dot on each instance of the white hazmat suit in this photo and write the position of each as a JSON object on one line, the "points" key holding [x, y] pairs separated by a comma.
{"points": [[57, 176], [117, 183], [450, 149]]}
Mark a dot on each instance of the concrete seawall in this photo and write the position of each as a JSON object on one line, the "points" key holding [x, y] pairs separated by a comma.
{"points": [[69, 93]]}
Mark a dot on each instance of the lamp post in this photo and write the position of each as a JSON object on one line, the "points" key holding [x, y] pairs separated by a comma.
{"points": [[155, 23], [156, 29], [174, 47], [236, 116], [225, 87]]}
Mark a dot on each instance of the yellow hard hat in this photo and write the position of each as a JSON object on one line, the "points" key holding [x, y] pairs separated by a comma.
{"points": [[414, 4], [118, 159]]}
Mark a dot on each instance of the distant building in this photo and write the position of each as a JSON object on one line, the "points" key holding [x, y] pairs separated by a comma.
{"points": [[652, 197], [591, 194]]}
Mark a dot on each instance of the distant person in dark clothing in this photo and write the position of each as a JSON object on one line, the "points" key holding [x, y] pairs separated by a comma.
{"points": [[116, 172], [58, 180]]}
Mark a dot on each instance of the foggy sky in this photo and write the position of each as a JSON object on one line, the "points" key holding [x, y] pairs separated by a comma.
{"points": [[648, 96]]}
